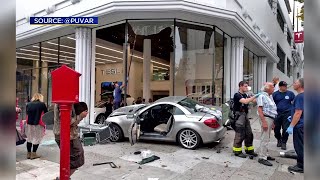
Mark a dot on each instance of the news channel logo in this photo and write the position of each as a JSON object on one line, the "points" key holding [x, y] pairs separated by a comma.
{"points": [[63, 20]]}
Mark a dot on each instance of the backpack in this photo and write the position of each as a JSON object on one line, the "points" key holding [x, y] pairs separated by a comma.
{"points": [[231, 114]]}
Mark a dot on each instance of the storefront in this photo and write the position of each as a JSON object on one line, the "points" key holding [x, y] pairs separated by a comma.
{"points": [[159, 58], [190, 50]]}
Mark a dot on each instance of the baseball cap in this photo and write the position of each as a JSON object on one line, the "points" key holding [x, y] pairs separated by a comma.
{"points": [[283, 83]]}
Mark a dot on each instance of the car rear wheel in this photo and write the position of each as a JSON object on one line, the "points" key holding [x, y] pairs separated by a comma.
{"points": [[116, 133], [189, 139], [101, 118]]}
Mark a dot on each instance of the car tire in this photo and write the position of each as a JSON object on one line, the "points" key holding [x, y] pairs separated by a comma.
{"points": [[100, 119], [116, 131], [189, 139]]}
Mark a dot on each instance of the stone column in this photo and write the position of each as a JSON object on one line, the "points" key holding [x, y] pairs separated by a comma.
{"points": [[270, 66], [236, 63], [256, 74], [227, 69], [44, 81], [83, 64], [262, 71], [35, 82], [146, 68]]}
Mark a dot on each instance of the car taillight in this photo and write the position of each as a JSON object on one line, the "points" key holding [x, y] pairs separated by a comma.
{"points": [[213, 123]]}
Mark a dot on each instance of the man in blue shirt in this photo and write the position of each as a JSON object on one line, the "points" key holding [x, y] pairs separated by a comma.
{"points": [[117, 95], [296, 126], [283, 99]]}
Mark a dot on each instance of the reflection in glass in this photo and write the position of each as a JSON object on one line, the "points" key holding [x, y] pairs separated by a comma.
{"points": [[194, 61], [219, 55], [27, 75], [67, 52]]}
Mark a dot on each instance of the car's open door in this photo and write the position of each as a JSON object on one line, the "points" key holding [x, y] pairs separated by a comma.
{"points": [[134, 130]]}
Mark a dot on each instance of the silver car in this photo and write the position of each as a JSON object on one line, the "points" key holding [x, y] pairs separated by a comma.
{"points": [[172, 119]]}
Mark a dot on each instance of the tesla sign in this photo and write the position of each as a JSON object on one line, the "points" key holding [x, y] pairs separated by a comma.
{"points": [[111, 71], [299, 37]]}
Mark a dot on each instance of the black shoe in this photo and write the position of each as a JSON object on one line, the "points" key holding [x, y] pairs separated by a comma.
{"points": [[279, 143], [295, 169], [269, 158], [252, 154], [264, 162], [284, 146], [240, 155]]}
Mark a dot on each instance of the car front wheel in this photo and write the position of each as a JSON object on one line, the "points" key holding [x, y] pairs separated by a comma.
{"points": [[101, 118], [116, 133], [189, 139]]}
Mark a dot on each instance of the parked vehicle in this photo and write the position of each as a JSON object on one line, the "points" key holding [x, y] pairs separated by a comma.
{"points": [[99, 112], [172, 119]]}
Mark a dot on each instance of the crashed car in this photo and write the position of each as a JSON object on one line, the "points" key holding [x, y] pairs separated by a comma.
{"points": [[172, 119]]}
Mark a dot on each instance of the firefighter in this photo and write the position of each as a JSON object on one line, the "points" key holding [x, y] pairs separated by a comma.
{"points": [[243, 131]]}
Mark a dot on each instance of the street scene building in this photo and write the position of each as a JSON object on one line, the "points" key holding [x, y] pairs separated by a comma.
{"points": [[158, 49], [199, 49]]}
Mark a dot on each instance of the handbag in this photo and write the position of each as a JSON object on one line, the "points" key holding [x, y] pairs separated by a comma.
{"points": [[19, 139]]}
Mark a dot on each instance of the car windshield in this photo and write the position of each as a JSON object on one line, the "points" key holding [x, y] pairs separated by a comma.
{"points": [[191, 105]]}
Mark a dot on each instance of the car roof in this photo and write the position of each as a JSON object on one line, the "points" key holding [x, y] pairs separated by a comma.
{"points": [[172, 99]]}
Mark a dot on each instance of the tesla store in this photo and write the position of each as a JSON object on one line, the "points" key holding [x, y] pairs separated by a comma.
{"points": [[153, 58]]}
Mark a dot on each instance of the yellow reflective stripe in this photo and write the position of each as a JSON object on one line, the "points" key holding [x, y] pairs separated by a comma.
{"points": [[249, 148], [237, 149]]}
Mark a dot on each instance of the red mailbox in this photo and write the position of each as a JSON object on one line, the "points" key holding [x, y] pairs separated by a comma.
{"points": [[65, 92], [65, 85]]}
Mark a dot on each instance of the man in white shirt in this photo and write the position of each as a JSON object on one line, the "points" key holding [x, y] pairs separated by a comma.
{"points": [[267, 111], [276, 81]]}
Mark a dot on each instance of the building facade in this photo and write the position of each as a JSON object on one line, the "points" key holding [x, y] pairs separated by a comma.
{"points": [[157, 48]]}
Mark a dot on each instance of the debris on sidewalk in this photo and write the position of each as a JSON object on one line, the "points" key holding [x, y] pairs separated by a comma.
{"points": [[146, 154], [219, 150], [205, 158], [149, 159], [163, 166], [110, 163], [137, 153]]}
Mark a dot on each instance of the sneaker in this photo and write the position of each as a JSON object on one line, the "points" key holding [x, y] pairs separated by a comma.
{"points": [[284, 146], [264, 162], [240, 155], [295, 169], [279, 143], [269, 158]]}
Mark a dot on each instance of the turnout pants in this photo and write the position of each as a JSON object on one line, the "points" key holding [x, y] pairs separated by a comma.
{"points": [[298, 144], [282, 122], [243, 132]]}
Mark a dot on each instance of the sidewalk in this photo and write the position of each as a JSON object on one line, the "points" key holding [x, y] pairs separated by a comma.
{"points": [[208, 162]]}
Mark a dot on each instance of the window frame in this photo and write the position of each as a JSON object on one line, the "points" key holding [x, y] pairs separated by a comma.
{"points": [[281, 63], [280, 17]]}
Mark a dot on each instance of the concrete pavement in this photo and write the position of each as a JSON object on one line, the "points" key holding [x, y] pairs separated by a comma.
{"points": [[213, 161]]}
